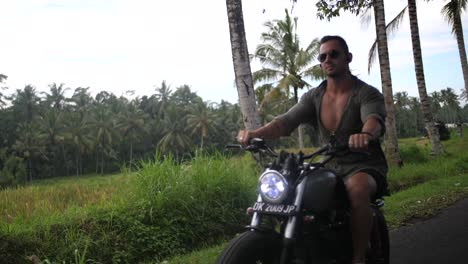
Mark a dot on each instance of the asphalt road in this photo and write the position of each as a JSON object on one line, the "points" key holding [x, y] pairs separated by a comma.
{"points": [[442, 239]]}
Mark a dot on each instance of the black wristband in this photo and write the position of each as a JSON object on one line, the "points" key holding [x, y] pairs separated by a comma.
{"points": [[367, 133]]}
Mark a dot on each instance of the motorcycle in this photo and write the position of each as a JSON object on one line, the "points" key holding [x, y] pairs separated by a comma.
{"points": [[302, 214]]}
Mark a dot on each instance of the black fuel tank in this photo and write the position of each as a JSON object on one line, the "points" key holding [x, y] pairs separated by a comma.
{"points": [[322, 191]]}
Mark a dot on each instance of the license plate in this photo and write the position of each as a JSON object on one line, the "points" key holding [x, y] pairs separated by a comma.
{"points": [[276, 209]]}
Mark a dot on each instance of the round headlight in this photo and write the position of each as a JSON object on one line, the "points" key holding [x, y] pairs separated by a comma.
{"points": [[273, 186]]}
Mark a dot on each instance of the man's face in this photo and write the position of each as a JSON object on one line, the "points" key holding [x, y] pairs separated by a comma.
{"points": [[333, 60]]}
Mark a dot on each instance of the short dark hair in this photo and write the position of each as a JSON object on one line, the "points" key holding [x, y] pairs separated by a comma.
{"points": [[340, 40]]}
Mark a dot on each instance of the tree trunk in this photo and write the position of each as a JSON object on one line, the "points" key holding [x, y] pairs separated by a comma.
{"points": [[391, 139], [201, 144], [458, 29], [102, 163], [65, 161], [241, 61], [77, 165], [131, 154], [300, 129], [29, 168], [418, 66], [97, 162]]}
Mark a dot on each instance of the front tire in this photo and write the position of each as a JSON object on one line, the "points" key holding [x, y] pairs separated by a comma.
{"points": [[252, 247]]}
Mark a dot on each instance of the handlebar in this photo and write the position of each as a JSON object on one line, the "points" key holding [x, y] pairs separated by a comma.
{"points": [[259, 145], [256, 145]]}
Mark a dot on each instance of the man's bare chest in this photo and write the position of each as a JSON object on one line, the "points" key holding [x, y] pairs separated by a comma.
{"points": [[332, 109]]}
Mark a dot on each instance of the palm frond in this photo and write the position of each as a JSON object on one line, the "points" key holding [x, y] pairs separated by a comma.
{"points": [[272, 96], [266, 75], [391, 28], [372, 55], [366, 17], [314, 48], [452, 10], [393, 25], [314, 73]]}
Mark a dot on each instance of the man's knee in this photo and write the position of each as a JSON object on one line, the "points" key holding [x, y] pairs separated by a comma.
{"points": [[361, 187]]}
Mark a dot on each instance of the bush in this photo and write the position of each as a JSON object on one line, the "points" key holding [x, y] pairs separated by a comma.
{"points": [[171, 209], [413, 154], [13, 172]]}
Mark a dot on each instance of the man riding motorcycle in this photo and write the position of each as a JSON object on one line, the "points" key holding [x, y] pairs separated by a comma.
{"points": [[352, 112]]}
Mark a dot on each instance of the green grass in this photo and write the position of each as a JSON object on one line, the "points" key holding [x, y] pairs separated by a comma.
{"points": [[50, 201], [424, 200], [167, 209], [164, 209], [420, 189]]}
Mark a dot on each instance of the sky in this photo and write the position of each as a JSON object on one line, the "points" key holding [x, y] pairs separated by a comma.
{"points": [[133, 45]]}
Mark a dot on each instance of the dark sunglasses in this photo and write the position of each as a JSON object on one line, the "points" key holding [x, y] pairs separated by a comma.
{"points": [[333, 55]]}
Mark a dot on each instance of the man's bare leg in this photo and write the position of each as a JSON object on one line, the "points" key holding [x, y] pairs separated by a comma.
{"points": [[359, 187]]}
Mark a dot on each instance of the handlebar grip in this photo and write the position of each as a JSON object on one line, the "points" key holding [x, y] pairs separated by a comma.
{"points": [[341, 147], [233, 146]]}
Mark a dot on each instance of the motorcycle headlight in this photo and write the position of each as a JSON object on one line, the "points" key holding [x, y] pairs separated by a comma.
{"points": [[273, 186]]}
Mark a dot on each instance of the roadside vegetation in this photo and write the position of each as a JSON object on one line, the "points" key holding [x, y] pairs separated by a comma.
{"points": [[419, 190], [168, 208]]}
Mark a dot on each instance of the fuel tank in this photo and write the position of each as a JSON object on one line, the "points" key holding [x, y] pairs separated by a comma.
{"points": [[323, 191]]}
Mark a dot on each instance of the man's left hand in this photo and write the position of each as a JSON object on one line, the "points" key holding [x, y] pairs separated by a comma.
{"points": [[359, 142]]}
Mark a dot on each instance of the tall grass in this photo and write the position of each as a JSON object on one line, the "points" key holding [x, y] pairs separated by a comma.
{"points": [[205, 198], [420, 166], [163, 209], [23, 207]]}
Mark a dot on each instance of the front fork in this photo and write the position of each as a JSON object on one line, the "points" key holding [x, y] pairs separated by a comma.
{"points": [[290, 228]]}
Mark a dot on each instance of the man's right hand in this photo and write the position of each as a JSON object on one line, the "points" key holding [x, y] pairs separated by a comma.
{"points": [[244, 136], [272, 130]]}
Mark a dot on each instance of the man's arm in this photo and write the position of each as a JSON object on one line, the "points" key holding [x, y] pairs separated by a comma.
{"points": [[371, 130], [272, 130]]}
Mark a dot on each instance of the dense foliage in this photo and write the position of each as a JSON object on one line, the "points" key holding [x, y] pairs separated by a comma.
{"points": [[446, 107], [49, 134]]}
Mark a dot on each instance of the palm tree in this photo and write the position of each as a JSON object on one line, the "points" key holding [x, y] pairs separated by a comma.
{"points": [[78, 135], [25, 103], [285, 64], [30, 146], [401, 101], [132, 124], [104, 130], [463, 94], [175, 138], [201, 121], [391, 27], [81, 100], [163, 95], [52, 125], [2, 77], [240, 59], [56, 97], [391, 139], [451, 104], [432, 131], [228, 121], [184, 97], [452, 13], [415, 108]]}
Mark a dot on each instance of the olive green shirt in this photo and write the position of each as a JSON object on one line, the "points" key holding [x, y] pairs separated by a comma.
{"points": [[364, 102]]}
